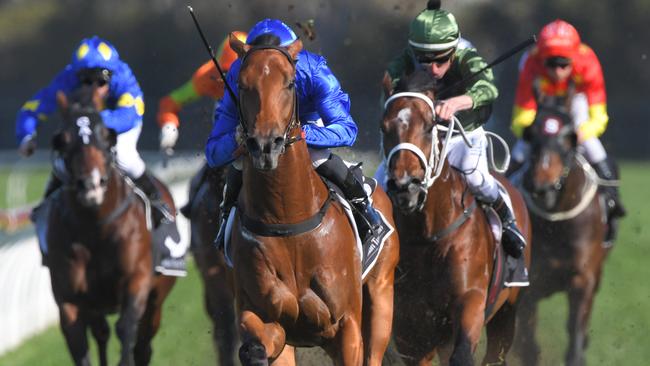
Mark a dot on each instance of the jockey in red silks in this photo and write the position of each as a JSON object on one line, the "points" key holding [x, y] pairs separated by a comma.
{"points": [[559, 63]]}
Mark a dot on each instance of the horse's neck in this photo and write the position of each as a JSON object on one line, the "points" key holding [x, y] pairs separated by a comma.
{"points": [[574, 187], [290, 193], [443, 203]]}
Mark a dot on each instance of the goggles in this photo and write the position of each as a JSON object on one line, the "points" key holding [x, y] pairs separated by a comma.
{"points": [[557, 62], [95, 76]]}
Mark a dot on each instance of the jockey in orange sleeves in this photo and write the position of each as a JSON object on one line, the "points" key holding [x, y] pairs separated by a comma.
{"points": [[558, 66], [205, 82]]}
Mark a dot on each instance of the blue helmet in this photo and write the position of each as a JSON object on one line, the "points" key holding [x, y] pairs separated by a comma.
{"points": [[274, 27], [95, 52]]}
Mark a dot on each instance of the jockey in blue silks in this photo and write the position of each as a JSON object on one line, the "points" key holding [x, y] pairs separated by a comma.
{"points": [[96, 63], [326, 122]]}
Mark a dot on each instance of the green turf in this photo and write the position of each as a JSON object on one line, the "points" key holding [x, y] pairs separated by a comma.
{"points": [[30, 182], [618, 328]]}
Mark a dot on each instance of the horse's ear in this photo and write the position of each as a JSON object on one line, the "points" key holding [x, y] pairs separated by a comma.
{"points": [[387, 85], [111, 137], [60, 141], [294, 48], [62, 101], [238, 46]]}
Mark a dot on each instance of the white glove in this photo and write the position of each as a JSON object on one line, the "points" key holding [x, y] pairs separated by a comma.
{"points": [[27, 146], [168, 136]]}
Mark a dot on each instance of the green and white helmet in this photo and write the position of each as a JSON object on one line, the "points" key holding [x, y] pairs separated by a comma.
{"points": [[434, 31]]}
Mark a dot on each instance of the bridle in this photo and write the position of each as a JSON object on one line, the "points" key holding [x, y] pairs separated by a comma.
{"points": [[294, 120], [434, 163]]}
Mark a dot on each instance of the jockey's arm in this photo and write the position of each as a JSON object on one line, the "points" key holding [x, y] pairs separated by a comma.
{"points": [[129, 108], [205, 82], [525, 106], [41, 106], [594, 86], [333, 106], [222, 144]]}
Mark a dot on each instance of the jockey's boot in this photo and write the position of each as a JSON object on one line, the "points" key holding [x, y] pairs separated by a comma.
{"points": [[513, 241], [230, 194], [607, 171], [370, 223], [160, 209], [195, 184], [40, 215]]}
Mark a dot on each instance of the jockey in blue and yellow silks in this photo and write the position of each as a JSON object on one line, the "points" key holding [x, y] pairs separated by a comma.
{"points": [[95, 62], [324, 112]]}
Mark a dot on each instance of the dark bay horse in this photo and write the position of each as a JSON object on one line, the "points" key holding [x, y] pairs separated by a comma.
{"points": [[447, 249], [100, 250], [569, 223], [217, 285], [304, 288]]}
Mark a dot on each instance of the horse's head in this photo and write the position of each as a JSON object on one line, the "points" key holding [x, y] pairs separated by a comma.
{"points": [[410, 140], [84, 147], [267, 98], [553, 142]]}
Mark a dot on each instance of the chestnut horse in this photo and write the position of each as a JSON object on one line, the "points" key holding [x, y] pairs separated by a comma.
{"points": [[100, 249], [217, 286], [447, 249], [304, 288], [560, 188]]}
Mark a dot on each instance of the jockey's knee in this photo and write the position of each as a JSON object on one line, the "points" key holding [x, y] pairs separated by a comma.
{"points": [[319, 156], [482, 186], [594, 150]]}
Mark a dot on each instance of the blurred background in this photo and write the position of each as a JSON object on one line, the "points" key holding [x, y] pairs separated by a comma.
{"points": [[158, 40]]}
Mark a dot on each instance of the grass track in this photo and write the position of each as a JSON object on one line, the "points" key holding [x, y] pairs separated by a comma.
{"points": [[619, 325]]}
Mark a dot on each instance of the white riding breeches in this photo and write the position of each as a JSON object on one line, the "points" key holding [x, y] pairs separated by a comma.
{"points": [[127, 157], [592, 148], [472, 162]]}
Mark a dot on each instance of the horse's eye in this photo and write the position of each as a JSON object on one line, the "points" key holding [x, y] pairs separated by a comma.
{"points": [[291, 84]]}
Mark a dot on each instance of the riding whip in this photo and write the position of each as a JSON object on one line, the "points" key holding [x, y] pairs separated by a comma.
{"points": [[505, 56], [211, 52]]}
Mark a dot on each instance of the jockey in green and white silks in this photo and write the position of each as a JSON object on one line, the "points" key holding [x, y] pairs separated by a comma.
{"points": [[434, 39]]}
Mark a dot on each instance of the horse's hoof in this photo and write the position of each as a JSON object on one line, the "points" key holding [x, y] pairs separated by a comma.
{"points": [[253, 353]]}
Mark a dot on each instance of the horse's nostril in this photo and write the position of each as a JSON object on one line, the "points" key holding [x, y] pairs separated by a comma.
{"points": [[252, 145], [279, 141]]}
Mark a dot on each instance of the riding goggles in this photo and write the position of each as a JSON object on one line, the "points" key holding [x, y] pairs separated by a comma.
{"points": [[98, 76], [557, 62], [438, 58]]}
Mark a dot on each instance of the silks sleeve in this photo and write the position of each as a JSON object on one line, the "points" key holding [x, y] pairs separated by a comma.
{"points": [[594, 88], [525, 108]]}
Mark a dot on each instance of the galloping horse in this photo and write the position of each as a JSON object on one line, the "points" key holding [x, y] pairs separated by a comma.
{"points": [[560, 188], [302, 287], [447, 249], [100, 246], [217, 286]]}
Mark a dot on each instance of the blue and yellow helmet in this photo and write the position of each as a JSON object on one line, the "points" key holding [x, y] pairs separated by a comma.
{"points": [[274, 27], [95, 53]]}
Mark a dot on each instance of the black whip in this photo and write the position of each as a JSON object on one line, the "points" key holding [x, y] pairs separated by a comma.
{"points": [[211, 52], [498, 60]]}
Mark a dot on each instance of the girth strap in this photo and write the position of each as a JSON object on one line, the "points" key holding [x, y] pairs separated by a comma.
{"points": [[265, 229], [460, 220]]}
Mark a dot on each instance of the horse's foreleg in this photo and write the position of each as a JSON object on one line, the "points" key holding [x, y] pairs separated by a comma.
{"points": [[470, 318], [347, 348], [74, 331], [133, 307], [101, 331], [526, 341], [377, 314], [581, 297], [500, 333], [261, 341]]}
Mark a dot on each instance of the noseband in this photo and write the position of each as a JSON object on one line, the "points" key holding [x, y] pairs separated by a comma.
{"points": [[294, 119]]}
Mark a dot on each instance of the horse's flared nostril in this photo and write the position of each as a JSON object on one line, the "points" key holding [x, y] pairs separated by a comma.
{"points": [[252, 145]]}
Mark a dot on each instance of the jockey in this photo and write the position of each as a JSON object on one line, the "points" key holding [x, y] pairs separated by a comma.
{"points": [[95, 61], [326, 123], [434, 37], [206, 82], [560, 62]]}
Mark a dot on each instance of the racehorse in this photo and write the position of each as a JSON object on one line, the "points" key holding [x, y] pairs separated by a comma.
{"points": [[100, 245], [217, 284], [560, 189], [296, 267], [447, 250]]}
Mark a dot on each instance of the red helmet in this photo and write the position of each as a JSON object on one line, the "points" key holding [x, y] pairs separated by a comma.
{"points": [[558, 38]]}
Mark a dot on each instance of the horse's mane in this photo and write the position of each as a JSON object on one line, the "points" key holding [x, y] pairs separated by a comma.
{"points": [[81, 100], [417, 81]]}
